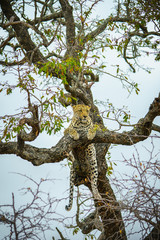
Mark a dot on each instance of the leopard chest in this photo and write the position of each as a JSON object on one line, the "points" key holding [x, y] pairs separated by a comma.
{"points": [[81, 127]]}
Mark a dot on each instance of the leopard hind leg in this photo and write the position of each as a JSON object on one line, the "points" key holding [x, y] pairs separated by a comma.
{"points": [[91, 156], [72, 178]]}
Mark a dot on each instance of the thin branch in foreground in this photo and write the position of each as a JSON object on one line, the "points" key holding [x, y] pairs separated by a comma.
{"points": [[33, 219]]}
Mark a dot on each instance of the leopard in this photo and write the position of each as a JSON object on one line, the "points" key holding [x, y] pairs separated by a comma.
{"points": [[82, 121]]}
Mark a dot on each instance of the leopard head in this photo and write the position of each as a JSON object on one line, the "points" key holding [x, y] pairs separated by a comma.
{"points": [[81, 113]]}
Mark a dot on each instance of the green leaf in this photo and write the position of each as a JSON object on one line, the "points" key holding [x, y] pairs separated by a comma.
{"points": [[9, 91], [75, 231]]}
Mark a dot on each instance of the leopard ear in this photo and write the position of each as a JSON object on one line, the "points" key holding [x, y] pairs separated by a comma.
{"points": [[73, 106], [88, 107]]}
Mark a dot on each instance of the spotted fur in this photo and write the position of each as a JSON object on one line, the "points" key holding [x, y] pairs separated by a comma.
{"points": [[82, 121]]}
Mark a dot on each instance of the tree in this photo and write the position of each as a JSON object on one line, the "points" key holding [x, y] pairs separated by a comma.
{"points": [[56, 50]]}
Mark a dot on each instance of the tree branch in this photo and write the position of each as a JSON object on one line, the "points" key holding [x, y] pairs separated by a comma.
{"points": [[27, 25], [5, 220], [125, 54], [154, 234], [60, 234], [156, 128], [5, 42], [22, 34], [103, 26], [52, 16], [38, 156], [10, 64], [70, 25], [139, 133], [90, 222], [34, 123]]}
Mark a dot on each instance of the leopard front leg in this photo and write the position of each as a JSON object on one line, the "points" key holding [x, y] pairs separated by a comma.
{"points": [[72, 178], [72, 133], [92, 131], [91, 156]]}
